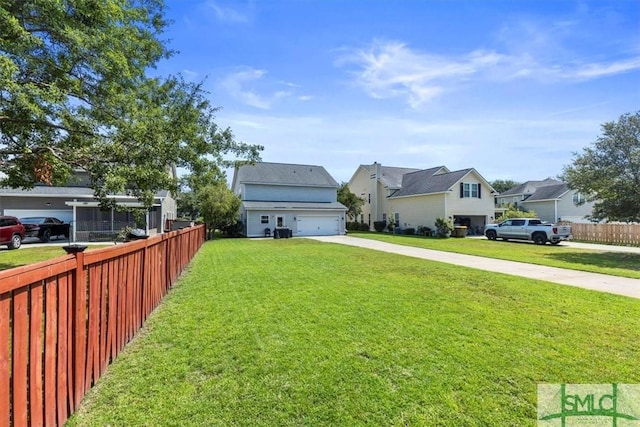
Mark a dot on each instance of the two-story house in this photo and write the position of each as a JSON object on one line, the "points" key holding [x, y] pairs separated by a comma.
{"points": [[302, 198], [550, 199], [415, 197]]}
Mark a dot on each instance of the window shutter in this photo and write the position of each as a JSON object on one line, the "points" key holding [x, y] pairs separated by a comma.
{"points": [[461, 190], [479, 193]]}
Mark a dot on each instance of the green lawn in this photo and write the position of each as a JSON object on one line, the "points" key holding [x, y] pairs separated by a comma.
{"points": [[622, 264], [30, 254], [293, 332]]}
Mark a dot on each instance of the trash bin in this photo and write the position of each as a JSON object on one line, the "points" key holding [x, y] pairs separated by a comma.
{"points": [[459, 231], [282, 233]]}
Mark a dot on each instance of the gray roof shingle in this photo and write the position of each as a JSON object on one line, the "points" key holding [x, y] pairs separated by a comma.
{"points": [[390, 176], [284, 174], [530, 187], [428, 181], [548, 192]]}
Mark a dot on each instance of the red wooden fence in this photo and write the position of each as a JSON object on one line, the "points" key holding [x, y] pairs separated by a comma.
{"points": [[63, 321]]}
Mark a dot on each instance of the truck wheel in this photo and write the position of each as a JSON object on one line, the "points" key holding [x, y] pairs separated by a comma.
{"points": [[539, 239], [46, 236], [16, 241], [491, 235], [555, 242]]}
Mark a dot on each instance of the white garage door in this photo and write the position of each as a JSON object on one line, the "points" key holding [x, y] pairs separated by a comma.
{"points": [[62, 215], [318, 225]]}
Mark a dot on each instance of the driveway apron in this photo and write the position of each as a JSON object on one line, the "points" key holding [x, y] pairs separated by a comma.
{"points": [[594, 281]]}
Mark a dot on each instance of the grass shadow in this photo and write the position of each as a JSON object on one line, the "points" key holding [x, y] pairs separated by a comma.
{"points": [[623, 260]]}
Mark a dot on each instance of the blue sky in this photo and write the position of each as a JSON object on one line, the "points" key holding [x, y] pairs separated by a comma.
{"points": [[510, 88]]}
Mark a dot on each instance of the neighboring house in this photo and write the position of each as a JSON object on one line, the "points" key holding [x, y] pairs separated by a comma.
{"points": [[303, 198], [414, 197], [75, 204], [550, 199]]}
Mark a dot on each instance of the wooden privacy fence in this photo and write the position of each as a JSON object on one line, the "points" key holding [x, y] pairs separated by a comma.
{"points": [[618, 234], [63, 321]]}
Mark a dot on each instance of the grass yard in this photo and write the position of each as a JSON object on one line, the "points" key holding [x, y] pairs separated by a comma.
{"points": [[28, 254], [293, 332], [621, 264]]}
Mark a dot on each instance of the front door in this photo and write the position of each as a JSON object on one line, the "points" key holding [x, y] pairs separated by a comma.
{"points": [[280, 221]]}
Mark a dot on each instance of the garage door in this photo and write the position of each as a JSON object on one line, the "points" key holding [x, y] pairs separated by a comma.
{"points": [[318, 225], [63, 215]]}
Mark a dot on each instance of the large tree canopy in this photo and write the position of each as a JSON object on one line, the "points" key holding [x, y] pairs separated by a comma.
{"points": [[608, 172], [75, 94]]}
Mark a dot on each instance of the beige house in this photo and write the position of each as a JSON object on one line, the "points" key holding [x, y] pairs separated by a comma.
{"points": [[414, 197]]}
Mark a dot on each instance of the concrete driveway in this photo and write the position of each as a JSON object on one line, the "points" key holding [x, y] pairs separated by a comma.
{"points": [[594, 281]]}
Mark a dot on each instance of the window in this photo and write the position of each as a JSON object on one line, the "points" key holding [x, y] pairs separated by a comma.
{"points": [[264, 219], [578, 199], [397, 218], [470, 189], [384, 217]]}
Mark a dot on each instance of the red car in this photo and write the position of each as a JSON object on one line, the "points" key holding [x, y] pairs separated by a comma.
{"points": [[44, 228], [11, 232]]}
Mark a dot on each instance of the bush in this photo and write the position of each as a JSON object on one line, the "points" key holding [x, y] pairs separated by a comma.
{"points": [[424, 231], [514, 212], [357, 226], [444, 227], [409, 231], [379, 225]]}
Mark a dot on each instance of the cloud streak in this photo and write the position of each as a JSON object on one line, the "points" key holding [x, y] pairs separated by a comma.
{"points": [[391, 69]]}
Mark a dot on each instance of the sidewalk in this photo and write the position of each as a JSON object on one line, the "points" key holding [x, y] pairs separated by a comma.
{"points": [[594, 281]]}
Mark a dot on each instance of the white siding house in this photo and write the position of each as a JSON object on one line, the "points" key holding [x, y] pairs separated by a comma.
{"points": [[302, 198]]}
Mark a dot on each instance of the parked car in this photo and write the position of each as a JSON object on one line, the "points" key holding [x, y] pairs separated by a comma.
{"points": [[528, 229], [11, 232], [44, 228]]}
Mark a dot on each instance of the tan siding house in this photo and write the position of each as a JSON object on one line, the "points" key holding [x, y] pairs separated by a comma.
{"points": [[415, 197]]}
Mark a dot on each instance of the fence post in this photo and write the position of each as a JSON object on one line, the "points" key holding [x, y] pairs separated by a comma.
{"points": [[79, 330]]}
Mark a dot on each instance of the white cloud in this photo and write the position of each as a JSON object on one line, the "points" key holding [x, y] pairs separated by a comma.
{"points": [[237, 82], [391, 69], [227, 14], [251, 86], [597, 70]]}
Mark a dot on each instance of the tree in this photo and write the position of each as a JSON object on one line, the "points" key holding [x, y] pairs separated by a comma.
{"points": [[74, 93], [218, 205], [513, 212], [502, 185], [608, 172], [350, 200]]}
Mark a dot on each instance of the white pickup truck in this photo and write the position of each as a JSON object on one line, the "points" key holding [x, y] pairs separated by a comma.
{"points": [[528, 229]]}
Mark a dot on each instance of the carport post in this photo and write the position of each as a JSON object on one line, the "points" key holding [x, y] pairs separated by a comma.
{"points": [[75, 221]]}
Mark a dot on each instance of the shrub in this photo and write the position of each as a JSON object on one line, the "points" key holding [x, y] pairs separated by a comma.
{"points": [[379, 225], [410, 231], [424, 231], [514, 212], [444, 227], [357, 226]]}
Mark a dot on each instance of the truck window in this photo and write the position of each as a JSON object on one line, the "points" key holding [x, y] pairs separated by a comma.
{"points": [[535, 222], [518, 222]]}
